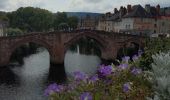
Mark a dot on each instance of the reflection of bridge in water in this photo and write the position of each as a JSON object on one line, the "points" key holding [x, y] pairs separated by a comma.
{"points": [[57, 43]]}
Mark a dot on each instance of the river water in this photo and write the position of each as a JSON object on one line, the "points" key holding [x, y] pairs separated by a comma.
{"points": [[30, 78]]}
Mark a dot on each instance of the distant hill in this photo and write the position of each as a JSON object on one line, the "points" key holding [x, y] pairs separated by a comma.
{"points": [[82, 14]]}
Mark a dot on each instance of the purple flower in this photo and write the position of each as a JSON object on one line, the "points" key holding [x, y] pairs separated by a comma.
{"points": [[126, 87], [136, 71], [106, 70], [86, 96], [94, 78], [71, 86], [123, 66], [52, 88], [79, 75], [126, 59], [135, 58]]}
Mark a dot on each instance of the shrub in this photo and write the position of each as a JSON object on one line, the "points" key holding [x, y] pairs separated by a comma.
{"points": [[160, 75], [123, 82]]}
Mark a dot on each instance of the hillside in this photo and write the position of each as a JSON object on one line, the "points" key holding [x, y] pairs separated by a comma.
{"points": [[82, 14]]}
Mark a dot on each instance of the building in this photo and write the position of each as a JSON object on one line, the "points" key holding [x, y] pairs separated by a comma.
{"points": [[136, 20], [106, 23], [88, 23]]}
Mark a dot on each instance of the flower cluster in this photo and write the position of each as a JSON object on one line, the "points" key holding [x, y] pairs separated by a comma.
{"points": [[125, 79], [79, 75], [53, 88], [86, 96], [105, 70], [136, 71], [126, 87]]}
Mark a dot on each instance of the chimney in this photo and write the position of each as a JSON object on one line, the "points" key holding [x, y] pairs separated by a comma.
{"points": [[147, 7], [121, 11], [124, 10], [115, 11], [158, 9], [129, 8]]}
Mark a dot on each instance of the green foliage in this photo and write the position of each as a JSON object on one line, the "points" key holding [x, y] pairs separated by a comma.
{"points": [[153, 46], [31, 19], [110, 87], [72, 22], [3, 16], [61, 18], [14, 32], [161, 76]]}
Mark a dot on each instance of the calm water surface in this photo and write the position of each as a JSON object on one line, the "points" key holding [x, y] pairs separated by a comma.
{"points": [[33, 75]]}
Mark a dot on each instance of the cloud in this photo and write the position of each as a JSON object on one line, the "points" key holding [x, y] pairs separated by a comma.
{"points": [[93, 1], [3, 4], [10, 5], [77, 5]]}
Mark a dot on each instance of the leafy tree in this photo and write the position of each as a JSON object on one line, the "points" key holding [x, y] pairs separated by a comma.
{"points": [[60, 17], [73, 21], [3, 16], [31, 19], [14, 32]]}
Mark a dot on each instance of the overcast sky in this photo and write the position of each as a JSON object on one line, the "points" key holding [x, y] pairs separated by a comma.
{"points": [[77, 5]]}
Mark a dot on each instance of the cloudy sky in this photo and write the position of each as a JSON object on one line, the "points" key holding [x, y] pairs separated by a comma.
{"points": [[77, 5]]}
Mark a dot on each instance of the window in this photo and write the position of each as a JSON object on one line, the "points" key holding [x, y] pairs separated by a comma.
{"points": [[129, 26], [154, 31], [155, 25]]}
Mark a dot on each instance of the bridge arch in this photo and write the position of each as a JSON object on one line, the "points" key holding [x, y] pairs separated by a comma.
{"points": [[19, 43], [134, 41], [129, 47], [92, 35]]}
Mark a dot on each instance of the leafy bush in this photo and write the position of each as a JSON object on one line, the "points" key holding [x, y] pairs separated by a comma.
{"points": [[152, 47], [161, 76], [123, 82]]}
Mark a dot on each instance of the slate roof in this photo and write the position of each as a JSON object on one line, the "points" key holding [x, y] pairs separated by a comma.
{"points": [[137, 11], [153, 12]]}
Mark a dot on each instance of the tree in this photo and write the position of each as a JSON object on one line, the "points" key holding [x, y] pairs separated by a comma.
{"points": [[14, 32], [73, 22], [60, 17], [31, 19]]}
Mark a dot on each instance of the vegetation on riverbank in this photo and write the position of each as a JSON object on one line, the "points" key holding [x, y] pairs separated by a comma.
{"points": [[142, 77]]}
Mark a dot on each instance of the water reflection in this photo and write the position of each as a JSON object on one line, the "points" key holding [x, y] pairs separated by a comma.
{"points": [[27, 82], [32, 76], [75, 61]]}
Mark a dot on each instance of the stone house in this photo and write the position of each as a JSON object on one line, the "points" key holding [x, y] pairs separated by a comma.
{"points": [[88, 23]]}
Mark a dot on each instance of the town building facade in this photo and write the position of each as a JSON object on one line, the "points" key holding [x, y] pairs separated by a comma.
{"points": [[88, 22], [136, 20]]}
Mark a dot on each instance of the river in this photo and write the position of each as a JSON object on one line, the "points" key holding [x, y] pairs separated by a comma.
{"points": [[31, 78]]}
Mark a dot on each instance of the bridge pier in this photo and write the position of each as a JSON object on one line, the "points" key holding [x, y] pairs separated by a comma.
{"points": [[109, 53]]}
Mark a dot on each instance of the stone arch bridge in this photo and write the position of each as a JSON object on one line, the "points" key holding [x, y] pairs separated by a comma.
{"points": [[57, 43]]}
